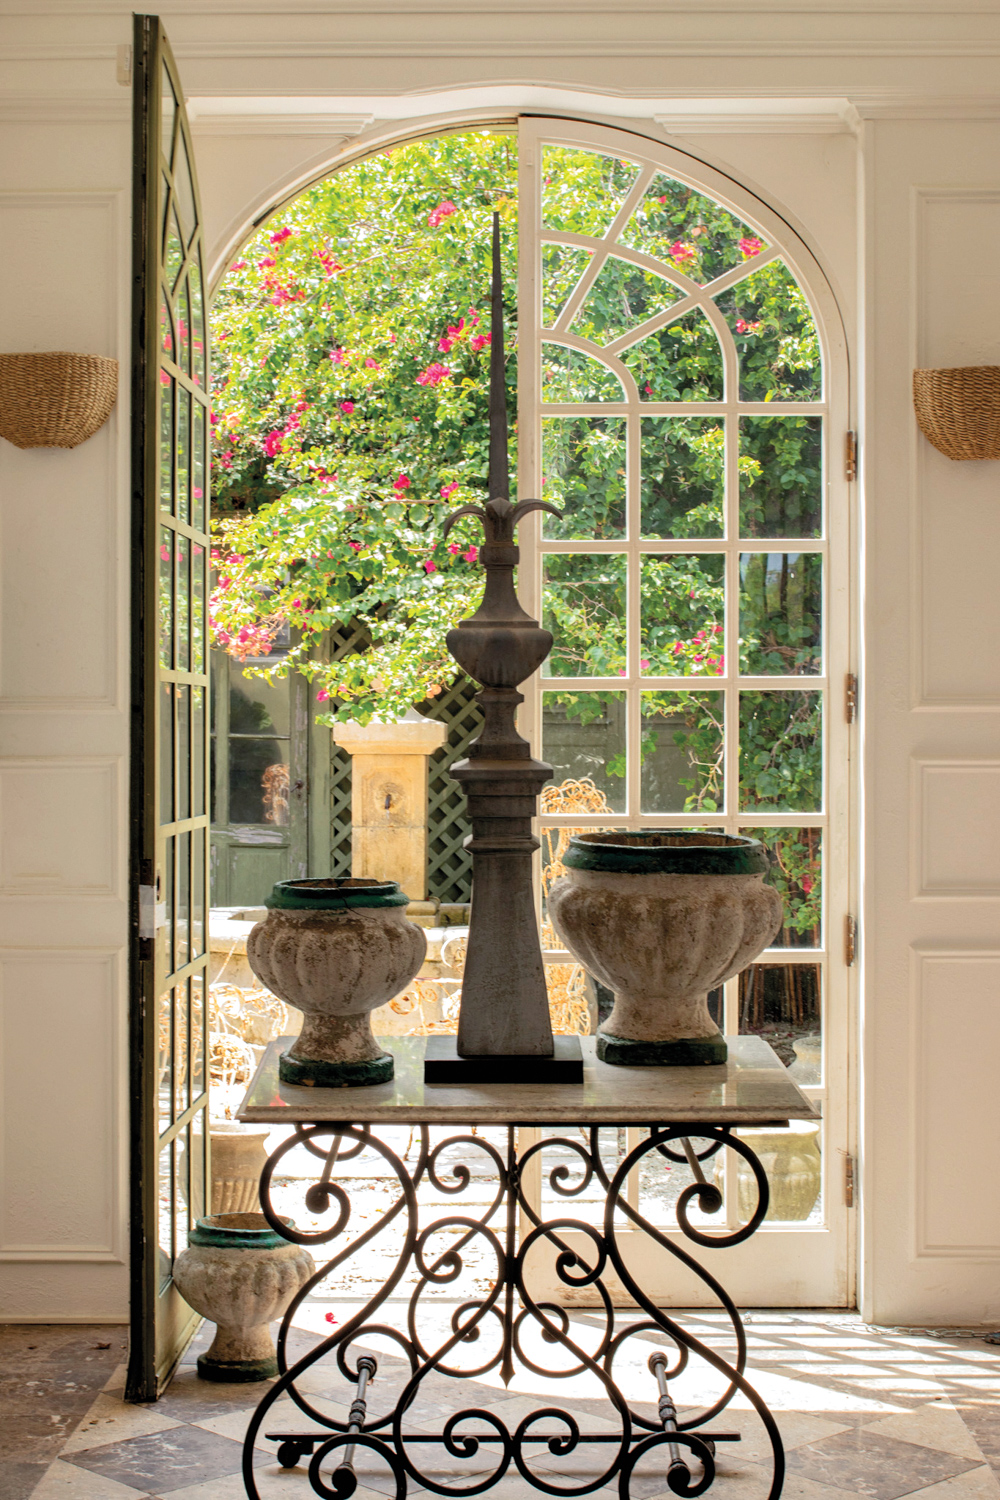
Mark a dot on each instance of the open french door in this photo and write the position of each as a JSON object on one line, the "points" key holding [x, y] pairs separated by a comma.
{"points": [[169, 811]]}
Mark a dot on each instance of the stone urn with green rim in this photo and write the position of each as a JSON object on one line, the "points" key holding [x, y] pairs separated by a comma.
{"points": [[662, 918], [336, 949]]}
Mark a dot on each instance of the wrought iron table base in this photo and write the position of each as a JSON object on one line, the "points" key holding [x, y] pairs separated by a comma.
{"points": [[690, 1454]]}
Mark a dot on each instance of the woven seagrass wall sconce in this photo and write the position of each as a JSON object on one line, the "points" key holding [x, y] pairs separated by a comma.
{"points": [[55, 400], [959, 410]]}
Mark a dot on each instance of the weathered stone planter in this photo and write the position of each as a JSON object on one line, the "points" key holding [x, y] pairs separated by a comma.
{"points": [[238, 1157], [661, 918], [791, 1158], [336, 949], [241, 1275]]}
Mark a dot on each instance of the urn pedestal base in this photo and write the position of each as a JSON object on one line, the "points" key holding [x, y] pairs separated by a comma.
{"points": [[682, 1052], [315, 1073], [444, 1064]]}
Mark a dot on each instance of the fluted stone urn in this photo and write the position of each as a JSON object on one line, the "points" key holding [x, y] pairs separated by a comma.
{"points": [[336, 949], [661, 918], [241, 1275]]}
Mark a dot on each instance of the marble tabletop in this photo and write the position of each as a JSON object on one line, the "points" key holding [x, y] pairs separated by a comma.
{"points": [[752, 1088]]}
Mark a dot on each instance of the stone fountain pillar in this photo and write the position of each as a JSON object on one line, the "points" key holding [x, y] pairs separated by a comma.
{"points": [[389, 798]]}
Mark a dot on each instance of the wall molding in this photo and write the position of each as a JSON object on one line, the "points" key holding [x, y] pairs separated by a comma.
{"points": [[929, 778], [302, 122]]}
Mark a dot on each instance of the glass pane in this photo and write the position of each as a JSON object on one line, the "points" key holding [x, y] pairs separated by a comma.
{"points": [[258, 707], [167, 882], [166, 442], [782, 1003], [199, 1031], [183, 624], [583, 737], [697, 236], [258, 781], [796, 859], [166, 333], [165, 1214], [166, 597], [183, 454], [781, 751], [581, 190], [584, 607], [198, 753], [184, 330], [792, 1159], [184, 192], [166, 752], [198, 475], [781, 476], [682, 616], [623, 296], [199, 921], [682, 362], [775, 336], [180, 1049], [583, 473], [164, 1036], [173, 251], [197, 325], [183, 751], [781, 613], [168, 109], [683, 476], [196, 1170], [562, 267], [197, 608], [183, 946], [682, 752], [570, 375]]}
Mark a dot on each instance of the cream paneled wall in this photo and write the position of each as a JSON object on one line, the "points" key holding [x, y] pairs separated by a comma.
{"points": [[65, 217]]}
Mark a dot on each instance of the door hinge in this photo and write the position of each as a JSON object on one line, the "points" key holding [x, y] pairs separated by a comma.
{"points": [[152, 913], [850, 940], [849, 1181], [851, 457], [851, 697]]}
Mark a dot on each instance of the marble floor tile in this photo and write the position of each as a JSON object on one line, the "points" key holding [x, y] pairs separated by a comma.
{"points": [[882, 1467], [935, 1425], [976, 1484], [284, 1415], [64, 1481], [109, 1420], [165, 1461]]}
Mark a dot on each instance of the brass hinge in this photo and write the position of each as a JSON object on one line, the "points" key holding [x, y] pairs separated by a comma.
{"points": [[851, 697], [851, 457], [849, 1181], [850, 940]]}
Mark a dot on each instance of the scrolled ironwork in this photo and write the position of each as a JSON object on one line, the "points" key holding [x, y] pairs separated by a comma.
{"points": [[496, 1319]]}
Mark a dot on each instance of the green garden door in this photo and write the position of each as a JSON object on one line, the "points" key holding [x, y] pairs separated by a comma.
{"points": [[169, 812]]}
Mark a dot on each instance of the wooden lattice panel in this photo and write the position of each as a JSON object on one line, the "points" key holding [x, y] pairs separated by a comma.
{"points": [[449, 864]]}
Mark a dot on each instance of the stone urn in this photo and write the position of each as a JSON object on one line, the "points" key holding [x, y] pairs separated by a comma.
{"points": [[794, 1167], [661, 918], [241, 1275], [336, 949], [238, 1157]]}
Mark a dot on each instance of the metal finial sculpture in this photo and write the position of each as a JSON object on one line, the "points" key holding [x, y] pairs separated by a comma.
{"points": [[504, 1031]]}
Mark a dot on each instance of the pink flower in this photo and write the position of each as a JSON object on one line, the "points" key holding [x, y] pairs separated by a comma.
{"points": [[743, 327], [698, 658], [649, 389], [717, 629], [321, 697], [355, 545], [678, 648], [451, 338], [372, 364], [280, 235], [750, 246], [329, 1317], [644, 666], [401, 482], [481, 341], [448, 490], [433, 375], [471, 555], [443, 211], [347, 406], [621, 671], [238, 265], [198, 494], [272, 443], [215, 419], [338, 355], [164, 378], [165, 552], [454, 548], [681, 252], [429, 567], [263, 264], [806, 884]]}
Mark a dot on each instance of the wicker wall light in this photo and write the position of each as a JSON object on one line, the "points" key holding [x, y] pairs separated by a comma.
{"points": [[959, 410], [55, 400]]}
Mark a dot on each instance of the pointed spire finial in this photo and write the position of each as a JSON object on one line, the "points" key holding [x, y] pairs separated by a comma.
{"points": [[498, 479]]}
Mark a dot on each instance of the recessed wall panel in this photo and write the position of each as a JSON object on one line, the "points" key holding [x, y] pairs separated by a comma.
{"points": [[59, 828], [956, 828]]}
